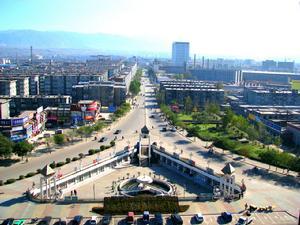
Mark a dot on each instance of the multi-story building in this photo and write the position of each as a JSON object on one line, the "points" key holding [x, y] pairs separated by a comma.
{"points": [[268, 77], [199, 92], [85, 111], [271, 97], [25, 125], [294, 129], [217, 75], [22, 84], [62, 84], [180, 53], [8, 87], [22, 103], [4, 108], [107, 93], [58, 116]]}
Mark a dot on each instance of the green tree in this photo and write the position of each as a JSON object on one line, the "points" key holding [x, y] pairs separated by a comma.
{"points": [[227, 118], [219, 85], [212, 108], [6, 147], [134, 87], [277, 141], [59, 139], [188, 105], [22, 148]]}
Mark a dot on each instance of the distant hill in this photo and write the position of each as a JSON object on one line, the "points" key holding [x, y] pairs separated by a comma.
{"points": [[72, 40]]}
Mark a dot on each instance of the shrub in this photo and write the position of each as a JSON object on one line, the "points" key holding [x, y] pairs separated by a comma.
{"points": [[21, 177], [99, 210], [59, 164], [81, 155], [53, 165], [1, 182], [102, 147], [97, 150], [68, 160], [10, 181], [31, 174], [75, 159], [112, 143], [91, 151], [38, 171], [183, 208]]}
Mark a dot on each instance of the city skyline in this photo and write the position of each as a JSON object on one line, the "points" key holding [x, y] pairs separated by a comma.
{"points": [[248, 29]]}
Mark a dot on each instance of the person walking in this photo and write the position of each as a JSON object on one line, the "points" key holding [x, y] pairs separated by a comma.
{"points": [[246, 206], [71, 193], [75, 192]]}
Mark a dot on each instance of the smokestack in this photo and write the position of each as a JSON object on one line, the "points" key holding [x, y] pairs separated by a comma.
{"points": [[194, 61], [31, 55], [202, 62]]}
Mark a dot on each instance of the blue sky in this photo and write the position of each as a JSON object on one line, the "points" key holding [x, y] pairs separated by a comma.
{"points": [[242, 28]]}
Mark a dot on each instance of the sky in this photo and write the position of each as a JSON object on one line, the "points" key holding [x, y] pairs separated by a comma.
{"points": [[241, 28]]}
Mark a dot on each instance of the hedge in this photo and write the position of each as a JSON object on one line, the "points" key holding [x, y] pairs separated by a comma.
{"points": [[59, 164], [123, 205], [75, 159], [91, 151], [1, 182], [21, 177], [31, 174], [99, 210], [10, 181], [68, 160]]}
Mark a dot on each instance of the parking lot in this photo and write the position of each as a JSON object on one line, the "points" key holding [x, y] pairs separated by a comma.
{"points": [[275, 218]]}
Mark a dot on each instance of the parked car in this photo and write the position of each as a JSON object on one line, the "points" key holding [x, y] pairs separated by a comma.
{"points": [[19, 222], [77, 220], [244, 220], [93, 220], [130, 218], [45, 221], [176, 219], [8, 221], [173, 129], [74, 127], [106, 219], [226, 217], [146, 217], [61, 221], [103, 139], [158, 219], [152, 116], [117, 132], [164, 129], [199, 218], [59, 131]]}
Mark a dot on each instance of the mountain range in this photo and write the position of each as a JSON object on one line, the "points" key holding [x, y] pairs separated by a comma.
{"points": [[72, 40]]}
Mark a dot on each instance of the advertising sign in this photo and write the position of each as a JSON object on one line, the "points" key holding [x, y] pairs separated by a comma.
{"points": [[19, 121], [5, 122]]}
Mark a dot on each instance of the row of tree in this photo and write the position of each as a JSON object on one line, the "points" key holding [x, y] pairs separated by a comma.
{"points": [[135, 85], [8, 148]]}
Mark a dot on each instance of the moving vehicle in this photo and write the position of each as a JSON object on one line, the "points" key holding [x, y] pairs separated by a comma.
{"points": [[117, 132], [226, 217], [244, 220], [199, 218], [146, 217], [158, 219], [93, 220], [103, 139], [176, 219], [106, 219], [19, 222], [77, 220], [8, 221], [130, 218], [173, 129], [59, 131], [152, 116], [45, 221]]}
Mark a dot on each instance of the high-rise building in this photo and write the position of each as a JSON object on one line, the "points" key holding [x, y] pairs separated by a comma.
{"points": [[180, 53]]}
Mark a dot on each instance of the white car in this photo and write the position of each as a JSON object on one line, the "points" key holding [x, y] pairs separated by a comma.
{"points": [[199, 218], [244, 221]]}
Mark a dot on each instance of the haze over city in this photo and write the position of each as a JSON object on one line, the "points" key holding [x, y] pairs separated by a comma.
{"points": [[242, 29], [139, 112]]}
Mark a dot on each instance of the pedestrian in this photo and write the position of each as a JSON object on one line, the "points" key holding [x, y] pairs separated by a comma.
{"points": [[75, 192], [71, 193], [246, 206], [242, 194]]}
